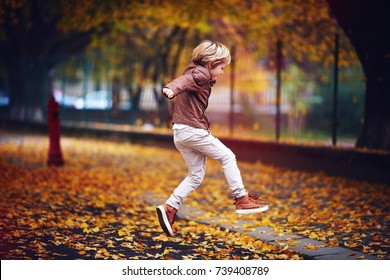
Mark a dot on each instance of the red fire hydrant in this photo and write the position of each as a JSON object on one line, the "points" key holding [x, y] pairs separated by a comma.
{"points": [[55, 154]]}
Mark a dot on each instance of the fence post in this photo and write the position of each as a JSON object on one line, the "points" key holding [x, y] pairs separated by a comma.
{"points": [[335, 89], [86, 75], [278, 86], [232, 84], [107, 111]]}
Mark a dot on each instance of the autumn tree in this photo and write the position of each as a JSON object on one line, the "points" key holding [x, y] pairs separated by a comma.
{"points": [[155, 41], [157, 32], [365, 23], [36, 35], [33, 30]]}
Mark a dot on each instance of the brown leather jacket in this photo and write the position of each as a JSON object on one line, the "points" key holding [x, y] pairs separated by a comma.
{"points": [[192, 91]]}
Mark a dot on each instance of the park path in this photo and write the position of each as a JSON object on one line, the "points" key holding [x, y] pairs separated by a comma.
{"points": [[101, 205]]}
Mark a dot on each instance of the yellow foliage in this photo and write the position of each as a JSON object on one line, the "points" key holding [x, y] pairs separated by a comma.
{"points": [[94, 206]]}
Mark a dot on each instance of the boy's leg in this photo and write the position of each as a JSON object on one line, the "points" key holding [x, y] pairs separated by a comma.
{"points": [[197, 144], [244, 203], [196, 170], [196, 163], [215, 149]]}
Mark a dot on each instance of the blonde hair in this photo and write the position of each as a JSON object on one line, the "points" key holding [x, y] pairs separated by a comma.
{"points": [[211, 52]]}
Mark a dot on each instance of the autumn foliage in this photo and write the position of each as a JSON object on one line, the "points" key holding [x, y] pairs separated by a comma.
{"points": [[94, 207]]}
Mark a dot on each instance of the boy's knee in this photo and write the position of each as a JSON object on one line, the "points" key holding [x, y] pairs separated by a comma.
{"points": [[228, 158], [196, 178]]}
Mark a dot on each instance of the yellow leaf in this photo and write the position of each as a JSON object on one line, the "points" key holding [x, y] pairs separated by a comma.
{"points": [[245, 239], [95, 229], [89, 248], [292, 220], [103, 252], [258, 244], [83, 225], [248, 225], [57, 243], [310, 247], [161, 237], [282, 257], [293, 242], [128, 238], [330, 233], [380, 252], [333, 242], [295, 257], [351, 244], [116, 257], [34, 225], [69, 222]]}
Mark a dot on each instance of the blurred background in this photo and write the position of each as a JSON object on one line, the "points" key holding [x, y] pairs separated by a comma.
{"points": [[105, 62]]}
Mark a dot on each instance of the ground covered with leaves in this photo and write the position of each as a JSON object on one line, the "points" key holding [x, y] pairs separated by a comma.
{"points": [[93, 207]]}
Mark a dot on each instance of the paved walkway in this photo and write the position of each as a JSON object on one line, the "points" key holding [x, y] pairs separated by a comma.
{"points": [[266, 234], [309, 248]]}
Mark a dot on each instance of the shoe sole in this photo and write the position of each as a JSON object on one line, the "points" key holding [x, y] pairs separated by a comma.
{"points": [[163, 219], [252, 211]]}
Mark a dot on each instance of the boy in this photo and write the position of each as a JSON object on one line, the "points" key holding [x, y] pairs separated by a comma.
{"points": [[192, 137]]}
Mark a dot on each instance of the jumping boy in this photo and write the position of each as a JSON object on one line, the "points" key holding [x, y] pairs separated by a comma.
{"points": [[191, 135]]}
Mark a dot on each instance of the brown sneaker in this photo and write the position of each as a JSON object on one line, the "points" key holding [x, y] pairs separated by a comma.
{"points": [[248, 205], [166, 216]]}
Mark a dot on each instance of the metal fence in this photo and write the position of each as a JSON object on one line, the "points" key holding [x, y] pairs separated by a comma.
{"points": [[90, 88]]}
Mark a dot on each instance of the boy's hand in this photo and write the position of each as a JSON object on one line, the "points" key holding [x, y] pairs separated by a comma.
{"points": [[168, 93]]}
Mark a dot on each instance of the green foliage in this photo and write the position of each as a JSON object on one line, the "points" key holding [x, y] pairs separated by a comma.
{"points": [[350, 108]]}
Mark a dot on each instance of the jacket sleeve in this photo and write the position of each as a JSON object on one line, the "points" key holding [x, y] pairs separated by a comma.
{"points": [[190, 82]]}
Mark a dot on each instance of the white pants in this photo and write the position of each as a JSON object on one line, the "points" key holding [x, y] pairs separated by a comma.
{"points": [[195, 145]]}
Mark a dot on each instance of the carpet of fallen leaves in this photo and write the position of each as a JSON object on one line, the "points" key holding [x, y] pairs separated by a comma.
{"points": [[93, 207]]}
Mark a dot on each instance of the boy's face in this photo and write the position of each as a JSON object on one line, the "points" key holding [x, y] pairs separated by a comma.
{"points": [[217, 71]]}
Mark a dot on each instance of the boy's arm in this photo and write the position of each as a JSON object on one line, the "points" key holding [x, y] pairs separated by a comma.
{"points": [[188, 82]]}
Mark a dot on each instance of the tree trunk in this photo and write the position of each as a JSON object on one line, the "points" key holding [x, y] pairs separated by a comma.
{"points": [[29, 89], [365, 22], [115, 96], [376, 129]]}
